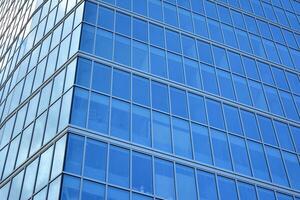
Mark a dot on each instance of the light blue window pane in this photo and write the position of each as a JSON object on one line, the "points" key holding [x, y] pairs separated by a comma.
{"points": [[224, 14], [192, 73], [204, 52], [184, 3], [281, 196], [186, 183], [116, 174], [160, 99], [294, 82], [284, 55], [92, 190], [283, 134], [215, 30], [170, 15], [140, 58], [98, 113], [257, 46], [215, 115], [296, 58], [250, 67], [225, 84], [246, 191], [161, 132], [70, 188], [238, 20], [197, 108], [117, 194], [233, 120], [182, 138], [140, 29], [141, 126], [158, 62], [155, 9], [157, 36], [257, 9], [172, 39], [266, 194], [104, 44], [197, 6], [209, 79], [142, 167], [175, 67], [90, 12], [210, 9], [79, 107], [122, 50], [289, 38], [101, 78], [271, 51], [83, 74], [221, 149], [120, 119], [288, 105], [241, 88], [257, 95], [293, 169], [258, 161], [273, 100], [220, 57], [280, 78], [178, 102], [121, 84], [269, 12], [239, 155], [265, 73], [74, 154], [185, 20], [243, 40], [277, 34], [95, 160], [227, 188], [164, 179], [123, 24], [87, 38], [106, 18], [207, 186], [276, 166], [264, 29], [229, 36], [267, 130], [189, 47], [251, 24], [201, 143], [141, 90], [296, 135], [140, 6], [200, 25]]}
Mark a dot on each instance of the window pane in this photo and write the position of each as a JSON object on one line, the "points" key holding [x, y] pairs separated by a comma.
{"points": [[106, 18], [192, 74], [182, 139], [79, 107], [207, 186], [95, 160], [186, 187], [209, 79], [158, 62], [225, 84], [123, 24], [233, 121], [140, 28], [120, 119], [246, 191], [283, 135], [101, 78], [83, 74], [104, 44], [117, 194], [204, 52], [293, 169], [116, 174], [141, 126], [201, 143], [178, 102], [140, 58], [250, 125], [141, 90], [160, 96], [197, 108], [175, 67], [74, 154], [265, 194], [215, 115], [70, 188], [267, 130], [121, 84], [161, 132], [87, 38], [227, 188], [122, 52], [91, 190]]}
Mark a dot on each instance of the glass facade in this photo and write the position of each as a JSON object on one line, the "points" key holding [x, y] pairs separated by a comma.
{"points": [[150, 99]]}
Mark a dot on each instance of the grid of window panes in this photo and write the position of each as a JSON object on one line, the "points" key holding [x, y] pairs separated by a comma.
{"points": [[188, 60], [162, 116], [92, 171], [40, 179]]}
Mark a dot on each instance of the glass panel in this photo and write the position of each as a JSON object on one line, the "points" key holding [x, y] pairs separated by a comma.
{"points": [[233, 121], [207, 186], [70, 188], [201, 144], [178, 102], [197, 108], [121, 84], [246, 191], [227, 188], [186, 183], [120, 119], [161, 132], [215, 115], [74, 154], [141, 132], [92, 190], [182, 139]]}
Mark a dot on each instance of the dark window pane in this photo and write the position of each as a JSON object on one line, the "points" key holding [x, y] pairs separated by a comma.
{"points": [[123, 24], [70, 188], [73, 160], [83, 74], [101, 78], [92, 190], [79, 107], [90, 12], [106, 18]]}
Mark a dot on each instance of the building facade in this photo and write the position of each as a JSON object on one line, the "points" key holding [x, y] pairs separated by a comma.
{"points": [[150, 99]]}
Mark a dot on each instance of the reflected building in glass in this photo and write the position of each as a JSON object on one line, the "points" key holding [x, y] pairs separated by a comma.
{"points": [[150, 99]]}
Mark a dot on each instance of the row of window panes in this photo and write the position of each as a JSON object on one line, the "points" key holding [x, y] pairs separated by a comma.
{"points": [[17, 145], [35, 74], [36, 175], [204, 27], [187, 71], [162, 178]]}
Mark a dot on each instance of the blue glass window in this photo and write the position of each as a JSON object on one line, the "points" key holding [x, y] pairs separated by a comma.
{"points": [[92, 190], [140, 58], [229, 36], [201, 144], [265, 73], [225, 84], [120, 119], [271, 51], [175, 67], [238, 20], [200, 25], [293, 169], [90, 12], [265, 194], [182, 139], [87, 38], [224, 14], [283, 134], [235, 63], [186, 183], [142, 167], [227, 188], [215, 115], [161, 132], [204, 52], [141, 90], [197, 108], [246, 191], [264, 29], [192, 73], [157, 36], [117, 194], [98, 113], [158, 62], [257, 95], [189, 47], [273, 100], [242, 90], [170, 15], [267, 130], [250, 68], [123, 24], [280, 79], [140, 6], [160, 96], [197, 6], [220, 57], [101, 78], [155, 9], [140, 29], [281, 196], [250, 125], [233, 120], [221, 149], [215, 30], [251, 24], [243, 41], [122, 52], [178, 102], [83, 74], [288, 105], [185, 20], [95, 160], [164, 179], [209, 79], [79, 107], [258, 161], [104, 39], [106, 18], [210, 9], [141, 125], [172, 39], [73, 160], [121, 84], [70, 188], [116, 174], [207, 186]]}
